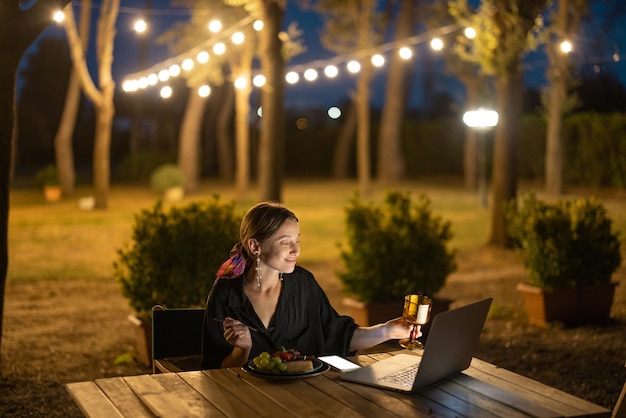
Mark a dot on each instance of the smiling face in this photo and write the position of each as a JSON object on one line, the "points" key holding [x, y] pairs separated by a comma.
{"points": [[280, 251]]}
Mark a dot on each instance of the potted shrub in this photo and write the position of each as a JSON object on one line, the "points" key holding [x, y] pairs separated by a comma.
{"points": [[393, 249], [48, 179], [172, 259], [570, 253], [169, 181]]}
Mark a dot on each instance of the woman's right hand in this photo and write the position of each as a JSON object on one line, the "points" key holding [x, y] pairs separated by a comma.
{"points": [[237, 334]]}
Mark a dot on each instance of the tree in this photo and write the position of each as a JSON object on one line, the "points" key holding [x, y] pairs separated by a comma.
{"points": [[102, 98], [20, 27], [565, 25], [390, 157], [503, 29], [63, 140], [355, 26]]}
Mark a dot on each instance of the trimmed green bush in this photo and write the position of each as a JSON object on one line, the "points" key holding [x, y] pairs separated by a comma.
{"points": [[47, 176], [565, 244], [174, 255], [395, 249], [165, 177]]}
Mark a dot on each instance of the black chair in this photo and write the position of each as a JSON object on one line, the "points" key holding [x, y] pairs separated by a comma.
{"points": [[176, 339]]}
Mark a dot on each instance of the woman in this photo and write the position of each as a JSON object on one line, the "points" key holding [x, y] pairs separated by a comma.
{"points": [[261, 287]]}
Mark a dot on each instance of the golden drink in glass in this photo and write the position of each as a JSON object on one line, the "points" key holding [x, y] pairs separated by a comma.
{"points": [[416, 312]]}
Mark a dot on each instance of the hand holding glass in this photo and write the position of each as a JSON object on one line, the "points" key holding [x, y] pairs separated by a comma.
{"points": [[417, 312]]}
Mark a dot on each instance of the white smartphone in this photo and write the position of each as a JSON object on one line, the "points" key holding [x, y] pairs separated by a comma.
{"points": [[339, 364]]}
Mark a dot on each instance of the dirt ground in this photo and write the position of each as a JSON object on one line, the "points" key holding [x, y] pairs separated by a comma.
{"points": [[59, 332]]}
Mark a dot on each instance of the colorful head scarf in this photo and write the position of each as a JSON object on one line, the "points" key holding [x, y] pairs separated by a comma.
{"points": [[234, 266]]}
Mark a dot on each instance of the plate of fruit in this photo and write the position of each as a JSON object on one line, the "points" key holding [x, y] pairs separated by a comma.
{"points": [[285, 364]]}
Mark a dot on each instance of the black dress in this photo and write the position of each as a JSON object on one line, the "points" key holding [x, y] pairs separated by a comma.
{"points": [[304, 320]]}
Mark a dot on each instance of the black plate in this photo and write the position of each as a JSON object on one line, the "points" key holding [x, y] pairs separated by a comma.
{"points": [[319, 367]]}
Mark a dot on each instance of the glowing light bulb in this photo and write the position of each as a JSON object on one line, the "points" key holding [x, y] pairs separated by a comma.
{"points": [[174, 70], [292, 77], [215, 26], [166, 92], [140, 26], [354, 67], [241, 82], [259, 80], [436, 44], [470, 33], [204, 91], [237, 38], [219, 48], [187, 64], [202, 57], [331, 71], [58, 16], [378, 60], [566, 47], [164, 75], [310, 74], [405, 53]]}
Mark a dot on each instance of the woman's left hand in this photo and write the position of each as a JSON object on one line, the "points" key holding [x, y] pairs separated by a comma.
{"points": [[398, 329]]}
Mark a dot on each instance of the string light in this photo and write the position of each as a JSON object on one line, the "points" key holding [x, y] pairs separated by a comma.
{"points": [[140, 26]]}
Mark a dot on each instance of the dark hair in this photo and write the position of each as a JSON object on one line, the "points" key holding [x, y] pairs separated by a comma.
{"points": [[261, 222]]}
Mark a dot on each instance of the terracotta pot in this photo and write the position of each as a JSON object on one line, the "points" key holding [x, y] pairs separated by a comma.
{"points": [[143, 339], [570, 306], [52, 193]]}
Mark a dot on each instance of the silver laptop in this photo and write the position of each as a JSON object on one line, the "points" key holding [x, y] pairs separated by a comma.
{"points": [[449, 349]]}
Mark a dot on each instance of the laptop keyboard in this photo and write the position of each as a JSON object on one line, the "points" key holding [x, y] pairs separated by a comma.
{"points": [[404, 377]]}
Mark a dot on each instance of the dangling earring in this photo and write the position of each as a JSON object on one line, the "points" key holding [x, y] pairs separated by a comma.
{"points": [[258, 271], [280, 276]]}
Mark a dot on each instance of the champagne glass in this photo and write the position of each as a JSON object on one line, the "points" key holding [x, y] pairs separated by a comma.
{"points": [[417, 312]]}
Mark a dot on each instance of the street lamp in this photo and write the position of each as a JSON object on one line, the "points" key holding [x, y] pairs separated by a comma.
{"points": [[481, 120]]}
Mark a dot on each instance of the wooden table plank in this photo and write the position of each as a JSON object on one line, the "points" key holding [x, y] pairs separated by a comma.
{"points": [[91, 401], [549, 397], [399, 403], [492, 399], [195, 402], [256, 400], [124, 399], [161, 402], [359, 403], [299, 406], [217, 395], [313, 395]]}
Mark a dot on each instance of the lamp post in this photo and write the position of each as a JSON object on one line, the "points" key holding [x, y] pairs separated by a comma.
{"points": [[481, 120]]}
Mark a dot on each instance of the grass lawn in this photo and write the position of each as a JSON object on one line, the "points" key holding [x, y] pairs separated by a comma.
{"points": [[61, 241]]}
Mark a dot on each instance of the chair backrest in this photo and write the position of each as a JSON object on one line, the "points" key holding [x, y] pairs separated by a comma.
{"points": [[620, 407], [176, 332]]}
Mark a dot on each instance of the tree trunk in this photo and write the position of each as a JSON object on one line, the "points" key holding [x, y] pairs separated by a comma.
{"points": [[223, 135], [18, 29], [558, 75], [470, 146], [189, 141], [509, 87], [242, 113], [102, 99], [63, 140], [242, 141], [390, 158], [363, 130], [272, 140], [345, 144]]}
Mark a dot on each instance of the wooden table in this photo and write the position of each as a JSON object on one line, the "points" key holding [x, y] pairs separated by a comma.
{"points": [[483, 390]]}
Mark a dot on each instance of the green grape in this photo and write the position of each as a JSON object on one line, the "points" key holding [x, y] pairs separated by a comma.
{"points": [[257, 361], [265, 354], [277, 360], [282, 367]]}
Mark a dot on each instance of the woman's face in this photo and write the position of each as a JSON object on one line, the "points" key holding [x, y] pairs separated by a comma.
{"points": [[280, 251]]}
